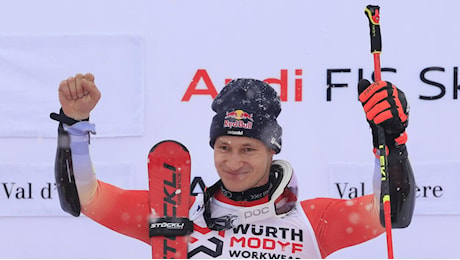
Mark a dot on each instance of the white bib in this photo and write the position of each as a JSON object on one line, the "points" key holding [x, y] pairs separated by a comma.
{"points": [[290, 236]]}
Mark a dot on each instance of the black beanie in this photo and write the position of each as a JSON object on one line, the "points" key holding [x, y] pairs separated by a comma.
{"points": [[247, 107]]}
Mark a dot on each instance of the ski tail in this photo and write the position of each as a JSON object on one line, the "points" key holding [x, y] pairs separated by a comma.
{"points": [[64, 176], [169, 167]]}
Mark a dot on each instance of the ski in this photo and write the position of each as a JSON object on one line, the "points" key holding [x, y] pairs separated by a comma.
{"points": [[169, 167]]}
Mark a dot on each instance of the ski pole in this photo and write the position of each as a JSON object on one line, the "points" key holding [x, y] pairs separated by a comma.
{"points": [[373, 14]]}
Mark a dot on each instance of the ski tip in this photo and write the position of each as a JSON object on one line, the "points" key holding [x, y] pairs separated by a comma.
{"points": [[170, 142]]}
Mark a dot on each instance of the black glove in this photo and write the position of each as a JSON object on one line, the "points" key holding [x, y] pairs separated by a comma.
{"points": [[385, 105]]}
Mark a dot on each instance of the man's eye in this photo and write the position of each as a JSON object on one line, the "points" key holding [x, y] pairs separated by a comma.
{"points": [[223, 147]]}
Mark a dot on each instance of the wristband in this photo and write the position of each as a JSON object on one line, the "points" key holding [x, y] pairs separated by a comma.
{"points": [[64, 119]]}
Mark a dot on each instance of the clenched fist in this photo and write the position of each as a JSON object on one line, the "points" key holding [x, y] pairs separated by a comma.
{"points": [[78, 95]]}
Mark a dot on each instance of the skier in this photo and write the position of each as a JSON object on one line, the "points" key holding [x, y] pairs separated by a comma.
{"points": [[253, 210]]}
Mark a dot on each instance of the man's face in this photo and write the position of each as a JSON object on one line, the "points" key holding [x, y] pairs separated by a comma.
{"points": [[242, 162]]}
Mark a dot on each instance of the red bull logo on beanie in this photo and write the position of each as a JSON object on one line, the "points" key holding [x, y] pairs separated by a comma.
{"points": [[238, 119], [239, 115]]}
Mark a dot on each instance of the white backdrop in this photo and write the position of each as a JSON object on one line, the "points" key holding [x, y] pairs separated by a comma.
{"points": [[145, 54]]}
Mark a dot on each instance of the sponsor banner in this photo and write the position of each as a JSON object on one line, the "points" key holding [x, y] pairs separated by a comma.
{"points": [[32, 67], [30, 189], [437, 190]]}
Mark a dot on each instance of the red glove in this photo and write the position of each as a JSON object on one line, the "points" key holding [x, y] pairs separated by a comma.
{"points": [[385, 105]]}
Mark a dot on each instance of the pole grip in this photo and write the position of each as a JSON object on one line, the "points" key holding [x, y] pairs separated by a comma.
{"points": [[373, 14]]}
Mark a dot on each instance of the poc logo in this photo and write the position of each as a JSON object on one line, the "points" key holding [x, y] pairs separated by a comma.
{"points": [[256, 212]]}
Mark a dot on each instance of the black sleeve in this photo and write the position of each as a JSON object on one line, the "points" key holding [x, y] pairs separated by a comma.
{"points": [[402, 187]]}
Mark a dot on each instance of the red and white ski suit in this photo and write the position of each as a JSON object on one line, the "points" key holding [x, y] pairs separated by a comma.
{"points": [[314, 229]]}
